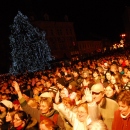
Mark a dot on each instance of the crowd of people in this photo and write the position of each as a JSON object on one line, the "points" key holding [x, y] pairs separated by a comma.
{"points": [[83, 95]]}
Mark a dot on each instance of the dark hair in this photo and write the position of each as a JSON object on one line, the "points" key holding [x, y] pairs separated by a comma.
{"points": [[2, 105], [22, 115]]}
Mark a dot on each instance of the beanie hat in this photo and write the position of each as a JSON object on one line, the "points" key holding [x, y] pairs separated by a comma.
{"points": [[7, 103], [61, 81], [53, 89], [45, 94]]}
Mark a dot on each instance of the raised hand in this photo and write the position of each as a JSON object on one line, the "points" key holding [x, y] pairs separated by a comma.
{"points": [[16, 86], [88, 95]]}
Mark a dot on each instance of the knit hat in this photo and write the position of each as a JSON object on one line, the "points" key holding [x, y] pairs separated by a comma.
{"points": [[45, 94], [61, 81], [53, 89], [7, 103]]}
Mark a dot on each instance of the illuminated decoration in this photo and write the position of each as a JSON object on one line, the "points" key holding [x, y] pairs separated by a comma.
{"points": [[30, 51], [115, 46]]}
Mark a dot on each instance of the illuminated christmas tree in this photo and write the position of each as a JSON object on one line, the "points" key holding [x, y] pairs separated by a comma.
{"points": [[30, 50]]}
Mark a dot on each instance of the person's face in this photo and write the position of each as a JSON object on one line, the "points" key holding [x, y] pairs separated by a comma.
{"points": [[109, 91], [48, 84], [75, 74], [85, 75], [17, 121], [124, 108], [128, 73], [35, 91], [113, 80], [120, 69], [44, 107], [113, 69], [108, 76], [43, 127], [4, 97], [125, 80], [95, 74], [8, 117], [60, 86], [81, 114], [97, 93]]}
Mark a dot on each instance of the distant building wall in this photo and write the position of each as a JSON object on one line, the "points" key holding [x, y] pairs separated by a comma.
{"points": [[86, 47], [60, 36]]}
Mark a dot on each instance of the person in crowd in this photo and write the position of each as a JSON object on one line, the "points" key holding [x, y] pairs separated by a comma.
{"points": [[110, 91], [79, 120], [125, 82], [122, 115], [106, 106], [9, 120], [16, 105], [20, 120], [47, 124], [45, 109], [116, 81], [107, 78], [96, 76]]}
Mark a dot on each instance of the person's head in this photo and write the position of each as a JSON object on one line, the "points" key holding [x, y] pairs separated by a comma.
{"points": [[61, 83], [72, 86], [10, 115], [35, 91], [16, 105], [75, 72], [3, 107], [64, 93], [46, 104], [124, 102], [114, 68], [108, 75], [85, 74], [69, 103], [48, 84], [20, 118], [97, 92], [95, 73], [110, 90], [125, 79], [115, 78], [82, 112], [46, 124], [97, 125], [4, 96], [32, 103]]}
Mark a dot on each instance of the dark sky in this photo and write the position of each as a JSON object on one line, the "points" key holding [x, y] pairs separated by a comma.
{"points": [[91, 18], [99, 18]]}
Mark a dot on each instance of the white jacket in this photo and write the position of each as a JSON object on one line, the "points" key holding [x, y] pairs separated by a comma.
{"points": [[72, 118]]}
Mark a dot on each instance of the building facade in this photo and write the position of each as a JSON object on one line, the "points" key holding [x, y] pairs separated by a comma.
{"points": [[60, 36]]}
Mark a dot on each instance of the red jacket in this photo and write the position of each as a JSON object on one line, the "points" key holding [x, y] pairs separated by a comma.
{"points": [[120, 123]]}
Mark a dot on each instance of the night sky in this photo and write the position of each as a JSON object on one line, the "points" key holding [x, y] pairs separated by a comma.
{"points": [[92, 18]]}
